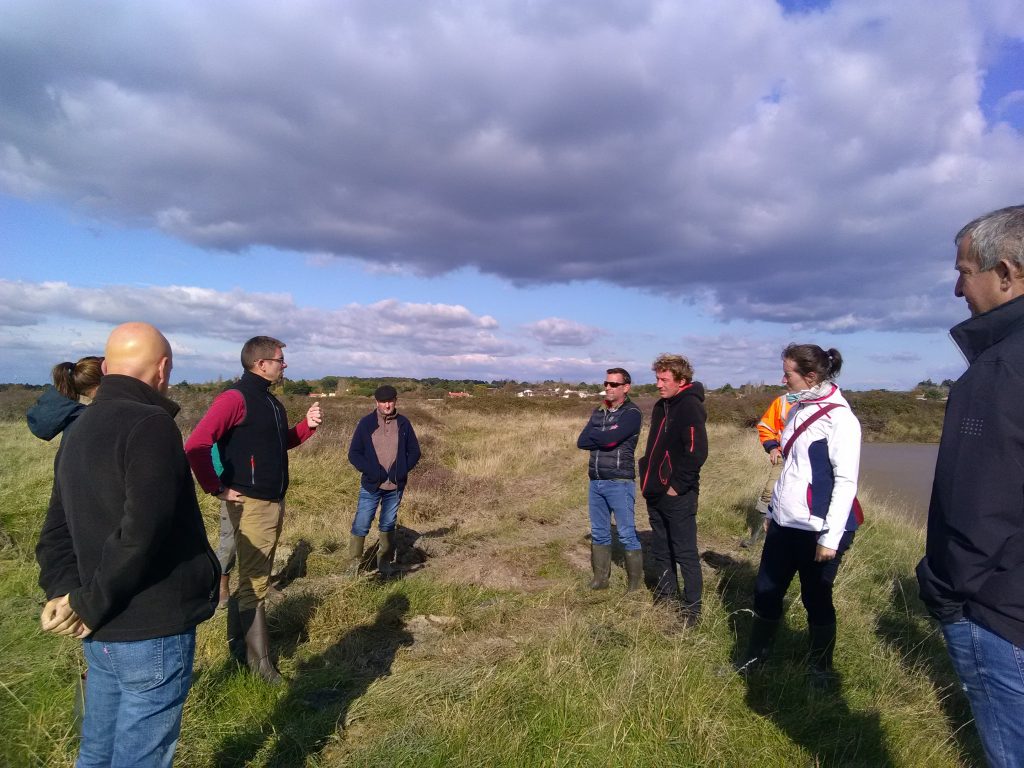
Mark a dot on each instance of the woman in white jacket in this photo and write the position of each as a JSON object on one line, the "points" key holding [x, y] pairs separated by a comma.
{"points": [[813, 513]]}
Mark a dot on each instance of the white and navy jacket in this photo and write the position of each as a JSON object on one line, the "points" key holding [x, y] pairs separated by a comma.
{"points": [[819, 476]]}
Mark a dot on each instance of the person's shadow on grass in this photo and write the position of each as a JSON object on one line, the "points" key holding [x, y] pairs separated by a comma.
{"points": [[323, 688], [820, 721], [904, 625]]}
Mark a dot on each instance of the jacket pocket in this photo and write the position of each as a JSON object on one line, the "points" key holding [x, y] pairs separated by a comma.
{"points": [[665, 470]]}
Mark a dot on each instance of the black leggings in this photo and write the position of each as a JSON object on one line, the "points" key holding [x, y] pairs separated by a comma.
{"points": [[787, 552]]}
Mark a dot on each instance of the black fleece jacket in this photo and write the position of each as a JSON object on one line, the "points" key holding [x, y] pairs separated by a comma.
{"points": [[123, 533], [677, 445], [974, 556]]}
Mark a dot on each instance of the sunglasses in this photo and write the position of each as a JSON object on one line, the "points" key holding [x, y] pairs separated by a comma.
{"points": [[614, 384]]}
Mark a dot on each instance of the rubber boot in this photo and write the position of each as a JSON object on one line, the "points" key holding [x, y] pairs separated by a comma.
{"points": [[384, 553], [758, 531], [225, 591], [822, 648], [257, 644], [355, 555], [236, 634], [634, 569], [762, 635], [601, 564]]}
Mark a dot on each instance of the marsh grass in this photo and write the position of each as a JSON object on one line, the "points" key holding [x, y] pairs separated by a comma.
{"points": [[492, 652]]}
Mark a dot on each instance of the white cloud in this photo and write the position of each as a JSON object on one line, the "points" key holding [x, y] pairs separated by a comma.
{"points": [[559, 332], [795, 168]]}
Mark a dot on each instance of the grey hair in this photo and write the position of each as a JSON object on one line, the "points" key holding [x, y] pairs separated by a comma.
{"points": [[996, 236]]}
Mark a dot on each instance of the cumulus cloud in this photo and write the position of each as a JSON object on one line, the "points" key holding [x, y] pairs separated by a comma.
{"points": [[207, 327], [797, 168], [559, 332]]}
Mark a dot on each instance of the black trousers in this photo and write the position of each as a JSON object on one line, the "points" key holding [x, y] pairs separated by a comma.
{"points": [[674, 542], [790, 551]]}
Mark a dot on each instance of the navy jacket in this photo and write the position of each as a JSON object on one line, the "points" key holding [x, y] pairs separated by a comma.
{"points": [[52, 414], [123, 534], [677, 445], [611, 438], [974, 559], [363, 457]]}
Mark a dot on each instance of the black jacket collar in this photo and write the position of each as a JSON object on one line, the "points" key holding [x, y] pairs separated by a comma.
{"points": [[115, 386], [254, 380], [976, 334]]}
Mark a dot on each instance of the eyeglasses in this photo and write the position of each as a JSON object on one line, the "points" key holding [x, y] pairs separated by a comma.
{"points": [[274, 360], [614, 384]]}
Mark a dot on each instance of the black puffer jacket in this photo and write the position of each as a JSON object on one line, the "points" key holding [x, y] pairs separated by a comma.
{"points": [[677, 445], [974, 559], [123, 533]]}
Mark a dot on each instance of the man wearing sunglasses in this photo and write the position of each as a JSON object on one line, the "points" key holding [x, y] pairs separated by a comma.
{"points": [[611, 436]]}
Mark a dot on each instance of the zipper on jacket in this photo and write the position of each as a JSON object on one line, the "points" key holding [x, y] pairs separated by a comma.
{"points": [[692, 438], [280, 441], [252, 470], [657, 437]]}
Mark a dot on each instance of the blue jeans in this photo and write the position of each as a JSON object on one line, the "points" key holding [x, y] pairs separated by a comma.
{"points": [[618, 497], [134, 694], [366, 508], [991, 670]]}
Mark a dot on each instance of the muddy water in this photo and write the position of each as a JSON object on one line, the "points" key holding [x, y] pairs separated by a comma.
{"points": [[901, 473]]}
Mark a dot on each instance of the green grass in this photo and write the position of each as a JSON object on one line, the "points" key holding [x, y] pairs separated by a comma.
{"points": [[493, 652]]}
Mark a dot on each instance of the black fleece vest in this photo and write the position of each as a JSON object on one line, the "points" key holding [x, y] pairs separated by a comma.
{"points": [[255, 452]]}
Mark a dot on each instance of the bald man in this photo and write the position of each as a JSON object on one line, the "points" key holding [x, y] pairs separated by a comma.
{"points": [[124, 558]]}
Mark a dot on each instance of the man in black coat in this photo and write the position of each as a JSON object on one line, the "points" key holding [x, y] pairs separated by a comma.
{"points": [[972, 574], [677, 447], [124, 558]]}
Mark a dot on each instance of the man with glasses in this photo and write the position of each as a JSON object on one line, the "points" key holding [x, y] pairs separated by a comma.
{"points": [[611, 436], [250, 429]]}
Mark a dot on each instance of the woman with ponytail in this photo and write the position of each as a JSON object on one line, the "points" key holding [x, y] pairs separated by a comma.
{"points": [[813, 512], [74, 385]]}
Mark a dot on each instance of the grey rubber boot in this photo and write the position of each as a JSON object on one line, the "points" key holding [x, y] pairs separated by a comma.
{"points": [[822, 648], [634, 569], [385, 552], [601, 564], [355, 555], [762, 635], [257, 645]]}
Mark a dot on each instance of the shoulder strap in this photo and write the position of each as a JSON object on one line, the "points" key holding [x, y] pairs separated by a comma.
{"points": [[810, 420]]}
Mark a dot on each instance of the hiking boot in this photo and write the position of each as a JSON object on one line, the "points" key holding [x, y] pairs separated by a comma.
{"points": [[634, 569], [601, 564], [257, 645], [355, 555], [762, 635], [819, 657]]}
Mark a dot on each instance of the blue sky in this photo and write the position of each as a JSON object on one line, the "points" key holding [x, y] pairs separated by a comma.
{"points": [[507, 190]]}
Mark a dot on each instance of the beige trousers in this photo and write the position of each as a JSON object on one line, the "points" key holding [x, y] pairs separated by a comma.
{"points": [[769, 486], [257, 526]]}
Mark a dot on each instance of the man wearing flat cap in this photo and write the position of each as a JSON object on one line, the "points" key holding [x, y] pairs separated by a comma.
{"points": [[384, 449]]}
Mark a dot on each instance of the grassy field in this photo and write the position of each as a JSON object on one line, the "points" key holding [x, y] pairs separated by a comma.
{"points": [[490, 651]]}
